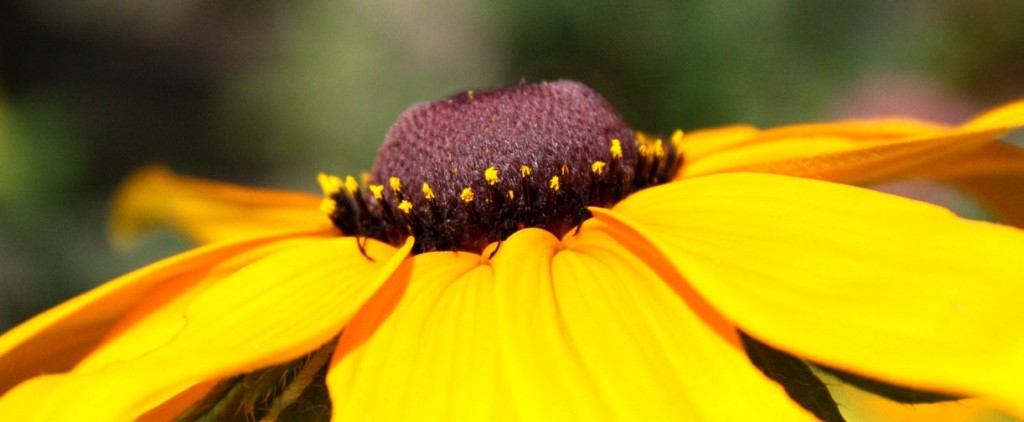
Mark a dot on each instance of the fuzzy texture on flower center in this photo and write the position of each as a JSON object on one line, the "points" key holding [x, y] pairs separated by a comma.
{"points": [[472, 169]]}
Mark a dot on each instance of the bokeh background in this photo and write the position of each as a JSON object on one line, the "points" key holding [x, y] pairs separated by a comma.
{"points": [[270, 93]]}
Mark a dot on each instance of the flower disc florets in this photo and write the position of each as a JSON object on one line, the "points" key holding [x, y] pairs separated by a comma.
{"points": [[472, 169]]}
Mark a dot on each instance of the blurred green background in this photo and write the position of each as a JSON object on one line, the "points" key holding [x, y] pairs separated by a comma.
{"points": [[268, 94]]}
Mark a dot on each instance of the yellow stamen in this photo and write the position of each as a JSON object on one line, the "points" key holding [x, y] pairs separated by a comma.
{"points": [[351, 185], [616, 149], [396, 184], [651, 147], [428, 193], [329, 184], [491, 175], [525, 171], [511, 195], [554, 184], [405, 206], [597, 167], [469, 93], [677, 139], [328, 206], [377, 191], [467, 195], [565, 169]]}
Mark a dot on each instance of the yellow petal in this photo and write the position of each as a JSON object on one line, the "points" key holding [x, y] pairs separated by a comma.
{"points": [[172, 409], [1007, 115], [423, 348], [993, 174], [699, 144], [885, 287], [158, 317], [272, 311], [208, 211], [59, 338], [798, 142], [855, 152], [592, 332], [995, 159]]}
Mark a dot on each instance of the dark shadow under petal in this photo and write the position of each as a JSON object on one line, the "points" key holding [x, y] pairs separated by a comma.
{"points": [[795, 376]]}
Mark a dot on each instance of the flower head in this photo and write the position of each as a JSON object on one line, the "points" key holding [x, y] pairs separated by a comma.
{"points": [[523, 254], [560, 136]]}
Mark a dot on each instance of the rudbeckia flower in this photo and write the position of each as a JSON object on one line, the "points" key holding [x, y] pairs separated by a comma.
{"points": [[523, 254]]}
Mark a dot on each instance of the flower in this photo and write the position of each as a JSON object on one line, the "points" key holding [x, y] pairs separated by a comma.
{"points": [[633, 311]]}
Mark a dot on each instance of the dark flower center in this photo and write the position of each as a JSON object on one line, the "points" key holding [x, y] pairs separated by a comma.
{"points": [[472, 169]]}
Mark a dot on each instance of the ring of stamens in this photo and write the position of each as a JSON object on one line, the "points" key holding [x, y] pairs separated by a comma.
{"points": [[362, 210]]}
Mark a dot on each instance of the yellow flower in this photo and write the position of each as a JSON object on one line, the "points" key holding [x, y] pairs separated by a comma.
{"points": [[500, 307]]}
